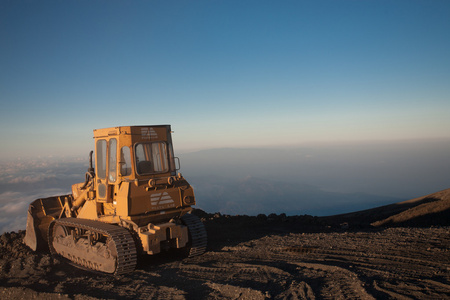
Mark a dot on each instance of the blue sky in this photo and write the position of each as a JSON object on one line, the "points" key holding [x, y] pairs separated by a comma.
{"points": [[223, 73]]}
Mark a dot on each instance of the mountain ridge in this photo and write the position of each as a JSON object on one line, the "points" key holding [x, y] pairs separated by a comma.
{"points": [[429, 210]]}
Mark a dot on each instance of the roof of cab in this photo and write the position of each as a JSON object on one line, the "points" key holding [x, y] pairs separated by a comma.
{"points": [[127, 130]]}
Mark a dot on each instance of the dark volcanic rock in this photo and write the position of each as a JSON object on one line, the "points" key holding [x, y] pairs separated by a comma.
{"points": [[357, 255]]}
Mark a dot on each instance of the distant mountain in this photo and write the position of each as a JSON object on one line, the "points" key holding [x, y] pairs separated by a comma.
{"points": [[253, 196], [319, 181], [400, 169]]}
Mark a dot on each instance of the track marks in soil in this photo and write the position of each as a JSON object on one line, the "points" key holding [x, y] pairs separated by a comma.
{"points": [[337, 282], [160, 293], [227, 291], [404, 263], [249, 278], [396, 262], [296, 291]]}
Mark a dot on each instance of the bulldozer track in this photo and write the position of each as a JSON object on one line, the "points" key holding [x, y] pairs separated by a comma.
{"points": [[198, 234], [122, 241]]}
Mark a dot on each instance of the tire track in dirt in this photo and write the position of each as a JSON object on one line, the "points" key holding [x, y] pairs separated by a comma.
{"points": [[408, 263], [396, 266], [160, 293], [260, 279], [297, 290], [381, 261], [345, 265], [338, 283]]}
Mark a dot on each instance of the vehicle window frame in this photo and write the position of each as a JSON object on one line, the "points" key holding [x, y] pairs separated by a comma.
{"points": [[101, 158], [151, 153], [125, 161], [112, 160]]}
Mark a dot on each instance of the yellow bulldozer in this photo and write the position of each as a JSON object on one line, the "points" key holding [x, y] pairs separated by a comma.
{"points": [[133, 202]]}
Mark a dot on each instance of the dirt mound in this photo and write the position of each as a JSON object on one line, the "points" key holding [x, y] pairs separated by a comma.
{"points": [[266, 257], [430, 210]]}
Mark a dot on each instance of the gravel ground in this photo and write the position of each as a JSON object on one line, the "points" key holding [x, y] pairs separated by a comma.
{"points": [[263, 257]]}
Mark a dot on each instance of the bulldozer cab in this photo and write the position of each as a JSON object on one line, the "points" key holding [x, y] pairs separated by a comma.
{"points": [[131, 154]]}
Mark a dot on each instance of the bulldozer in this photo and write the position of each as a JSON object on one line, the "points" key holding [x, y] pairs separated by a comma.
{"points": [[132, 202]]}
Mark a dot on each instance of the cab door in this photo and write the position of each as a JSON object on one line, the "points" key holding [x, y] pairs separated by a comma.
{"points": [[106, 161]]}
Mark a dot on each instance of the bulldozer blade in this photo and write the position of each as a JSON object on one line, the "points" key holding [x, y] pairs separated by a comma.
{"points": [[31, 239], [41, 213]]}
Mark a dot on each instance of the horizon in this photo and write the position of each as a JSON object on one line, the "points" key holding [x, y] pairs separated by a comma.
{"points": [[89, 145], [321, 180]]}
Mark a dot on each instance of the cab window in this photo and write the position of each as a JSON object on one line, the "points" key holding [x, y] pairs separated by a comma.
{"points": [[112, 162], [101, 159], [125, 161], [151, 158]]}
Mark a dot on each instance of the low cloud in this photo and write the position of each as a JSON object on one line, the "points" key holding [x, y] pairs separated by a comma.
{"points": [[14, 207], [31, 178], [25, 180], [13, 224]]}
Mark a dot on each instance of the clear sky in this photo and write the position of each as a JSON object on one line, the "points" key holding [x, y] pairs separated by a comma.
{"points": [[224, 73]]}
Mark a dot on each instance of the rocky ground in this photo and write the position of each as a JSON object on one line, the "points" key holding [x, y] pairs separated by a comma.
{"points": [[400, 251]]}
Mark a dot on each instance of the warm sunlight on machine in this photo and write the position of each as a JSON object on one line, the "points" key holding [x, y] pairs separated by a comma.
{"points": [[132, 202]]}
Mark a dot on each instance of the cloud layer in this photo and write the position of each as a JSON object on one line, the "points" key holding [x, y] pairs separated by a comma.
{"points": [[23, 181], [317, 180]]}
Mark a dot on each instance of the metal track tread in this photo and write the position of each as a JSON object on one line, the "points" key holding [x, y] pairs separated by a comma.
{"points": [[198, 234], [121, 237]]}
